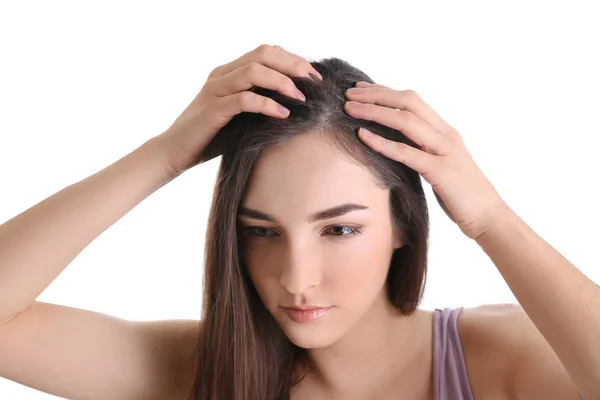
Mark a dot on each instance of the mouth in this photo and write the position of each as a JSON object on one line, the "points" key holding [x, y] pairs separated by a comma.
{"points": [[305, 314]]}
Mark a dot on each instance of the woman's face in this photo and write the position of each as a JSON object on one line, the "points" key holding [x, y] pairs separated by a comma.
{"points": [[340, 261]]}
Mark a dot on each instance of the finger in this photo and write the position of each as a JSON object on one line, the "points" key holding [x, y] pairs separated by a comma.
{"points": [[254, 74], [272, 58], [426, 136], [376, 94], [250, 102], [401, 99], [361, 84], [297, 57], [413, 158]]}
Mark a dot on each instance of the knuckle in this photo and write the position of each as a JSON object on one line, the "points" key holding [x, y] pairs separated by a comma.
{"points": [[264, 50], [244, 99], [398, 147], [411, 95], [253, 68], [267, 102], [301, 67], [215, 72], [454, 133], [371, 91], [208, 85]]}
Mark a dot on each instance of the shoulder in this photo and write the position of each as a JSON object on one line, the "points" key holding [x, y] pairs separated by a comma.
{"points": [[178, 339], [507, 356], [484, 347]]}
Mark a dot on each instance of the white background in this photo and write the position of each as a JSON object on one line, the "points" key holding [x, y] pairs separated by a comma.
{"points": [[84, 83]]}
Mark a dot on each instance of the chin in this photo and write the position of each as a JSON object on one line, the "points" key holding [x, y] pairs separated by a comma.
{"points": [[313, 335], [308, 340]]}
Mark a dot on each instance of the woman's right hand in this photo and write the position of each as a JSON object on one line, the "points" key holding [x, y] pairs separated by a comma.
{"points": [[226, 94]]}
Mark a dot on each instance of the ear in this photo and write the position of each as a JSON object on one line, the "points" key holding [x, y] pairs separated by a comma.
{"points": [[398, 240]]}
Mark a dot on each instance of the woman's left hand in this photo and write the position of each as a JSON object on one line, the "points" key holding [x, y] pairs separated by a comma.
{"points": [[443, 160]]}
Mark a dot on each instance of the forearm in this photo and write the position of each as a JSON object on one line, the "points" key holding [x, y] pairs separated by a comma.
{"points": [[38, 244], [559, 299]]}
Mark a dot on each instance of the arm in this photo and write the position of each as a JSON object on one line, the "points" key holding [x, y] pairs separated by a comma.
{"points": [[74, 354], [38, 244], [562, 303]]}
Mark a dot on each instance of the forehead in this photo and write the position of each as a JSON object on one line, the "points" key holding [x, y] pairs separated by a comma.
{"points": [[308, 174]]}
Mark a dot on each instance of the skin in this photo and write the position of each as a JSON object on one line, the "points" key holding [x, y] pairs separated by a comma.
{"points": [[363, 344]]}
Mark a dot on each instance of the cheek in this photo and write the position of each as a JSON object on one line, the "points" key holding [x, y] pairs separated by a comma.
{"points": [[266, 286], [263, 275], [360, 267]]}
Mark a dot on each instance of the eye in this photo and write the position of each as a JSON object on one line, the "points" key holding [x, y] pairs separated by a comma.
{"points": [[339, 230], [257, 231], [344, 228]]}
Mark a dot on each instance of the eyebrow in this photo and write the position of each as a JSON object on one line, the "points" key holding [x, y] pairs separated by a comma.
{"points": [[318, 216]]}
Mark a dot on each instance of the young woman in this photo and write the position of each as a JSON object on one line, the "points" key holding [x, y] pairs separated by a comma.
{"points": [[316, 258]]}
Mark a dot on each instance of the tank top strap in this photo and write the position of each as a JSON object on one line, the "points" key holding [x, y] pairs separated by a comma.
{"points": [[450, 378]]}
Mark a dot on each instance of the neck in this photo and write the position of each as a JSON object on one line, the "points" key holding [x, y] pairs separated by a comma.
{"points": [[381, 347]]}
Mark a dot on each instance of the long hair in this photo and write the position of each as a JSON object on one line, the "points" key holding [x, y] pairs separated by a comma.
{"points": [[242, 352]]}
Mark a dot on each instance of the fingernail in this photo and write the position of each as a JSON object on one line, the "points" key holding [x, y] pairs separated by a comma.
{"points": [[317, 74], [299, 95], [366, 132], [356, 90], [362, 84], [282, 110]]}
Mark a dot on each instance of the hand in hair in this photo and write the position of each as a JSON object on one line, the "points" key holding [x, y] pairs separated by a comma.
{"points": [[225, 94], [466, 195]]}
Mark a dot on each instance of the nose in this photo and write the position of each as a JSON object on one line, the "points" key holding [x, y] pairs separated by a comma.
{"points": [[301, 271]]}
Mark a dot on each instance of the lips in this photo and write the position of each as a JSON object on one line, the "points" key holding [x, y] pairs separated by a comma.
{"points": [[304, 308], [305, 314]]}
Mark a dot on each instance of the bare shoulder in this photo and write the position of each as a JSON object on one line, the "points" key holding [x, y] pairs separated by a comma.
{"points": [[488, 345], [508, 358], [179, 338]]}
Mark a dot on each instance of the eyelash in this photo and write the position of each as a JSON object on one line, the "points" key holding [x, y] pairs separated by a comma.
{"points": [[249, 230]]}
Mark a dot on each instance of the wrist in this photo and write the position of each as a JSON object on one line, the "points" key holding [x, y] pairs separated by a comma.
{"points": [[502, 218], [156, 149]]}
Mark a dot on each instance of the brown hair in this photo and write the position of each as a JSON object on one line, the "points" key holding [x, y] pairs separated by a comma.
{"points": [[243, 354]]}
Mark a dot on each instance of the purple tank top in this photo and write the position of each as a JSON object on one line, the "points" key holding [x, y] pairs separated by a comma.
{"points": [[450, 379]]}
